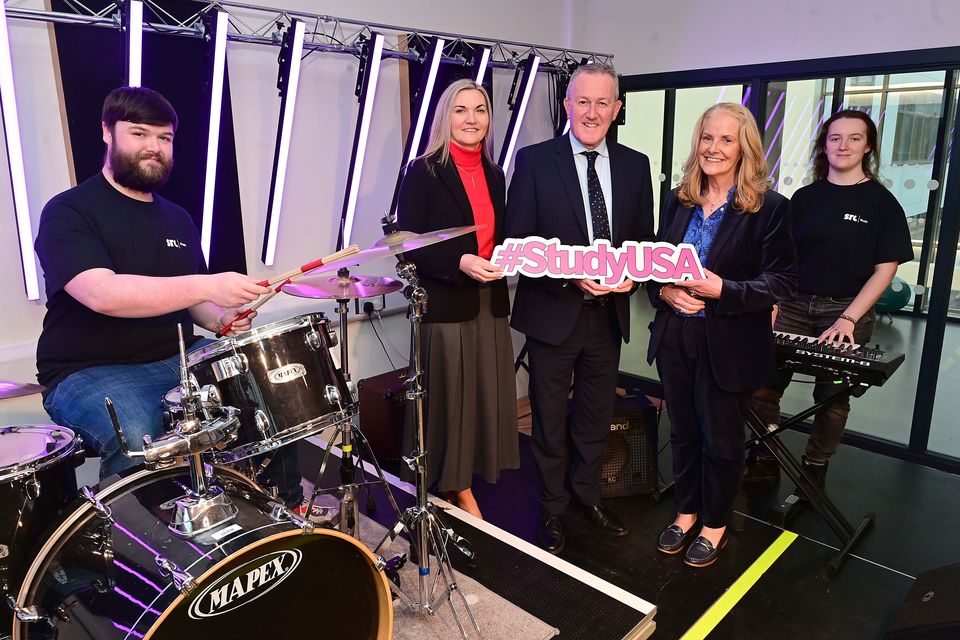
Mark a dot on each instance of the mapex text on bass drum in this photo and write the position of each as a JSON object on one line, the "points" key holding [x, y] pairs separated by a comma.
{"points": [[113, 570]]}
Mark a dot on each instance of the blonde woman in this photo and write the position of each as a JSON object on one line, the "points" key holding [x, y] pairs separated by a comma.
{"points": [[471, 421], [711, 338]]}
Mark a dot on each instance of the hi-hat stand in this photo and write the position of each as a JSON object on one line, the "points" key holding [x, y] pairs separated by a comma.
{"points": [[429, 536]]}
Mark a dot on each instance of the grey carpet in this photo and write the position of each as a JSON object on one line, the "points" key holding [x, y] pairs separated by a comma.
{"points": [[497, 618]]}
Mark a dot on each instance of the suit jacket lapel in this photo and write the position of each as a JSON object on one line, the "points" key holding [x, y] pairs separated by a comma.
{"points": [[451, 179], [571, 182], [728, 227], [678, 227]]}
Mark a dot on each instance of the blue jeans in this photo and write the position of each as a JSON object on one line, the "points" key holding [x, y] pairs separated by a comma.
{"points": [[137, 392]]}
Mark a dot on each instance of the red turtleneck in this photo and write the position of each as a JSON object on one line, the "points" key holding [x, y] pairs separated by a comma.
{"points": [[470, 167]]}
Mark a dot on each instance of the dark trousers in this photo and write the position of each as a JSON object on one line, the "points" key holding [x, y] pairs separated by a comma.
{"points": [[591, 353], [706, 424], [811, 315]]}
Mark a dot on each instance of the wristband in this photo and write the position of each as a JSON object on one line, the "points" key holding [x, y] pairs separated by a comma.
{"points": [[844, 316]]}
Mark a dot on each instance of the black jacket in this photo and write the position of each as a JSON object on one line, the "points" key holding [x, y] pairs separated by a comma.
{"points": [[431, 201], [545, 200], [755, 255]]}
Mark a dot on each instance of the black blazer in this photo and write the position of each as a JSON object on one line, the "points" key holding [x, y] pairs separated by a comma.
{"points": [[432, 201], [755, 255], [545, 200]]}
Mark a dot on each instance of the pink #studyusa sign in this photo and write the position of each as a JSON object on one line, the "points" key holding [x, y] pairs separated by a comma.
{"points": [[538, 257]]}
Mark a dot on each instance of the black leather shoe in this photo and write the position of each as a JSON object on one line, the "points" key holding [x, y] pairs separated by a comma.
{"points": [[600, 516], [673, 539], [702, 553], [550, 534]]}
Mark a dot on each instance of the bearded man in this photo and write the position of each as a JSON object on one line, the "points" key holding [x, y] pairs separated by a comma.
{"points": [[123, 267]]}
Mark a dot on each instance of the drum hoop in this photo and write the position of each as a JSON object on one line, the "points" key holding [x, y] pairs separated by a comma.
{"points": [[279, 328], [14, 471], [254, 335], [288, 436], [77, 514], [385, 602]]}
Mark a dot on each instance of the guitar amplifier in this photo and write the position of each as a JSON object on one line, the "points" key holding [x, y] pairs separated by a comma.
{"points": [[381, 400], [630, 453]]}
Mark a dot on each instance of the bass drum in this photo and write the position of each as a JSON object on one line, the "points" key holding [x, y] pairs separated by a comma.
{"points": [[112, 570]]}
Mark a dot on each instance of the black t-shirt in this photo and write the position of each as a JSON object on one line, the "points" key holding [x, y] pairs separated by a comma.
{"points": [[842, 232], [95, 226]]}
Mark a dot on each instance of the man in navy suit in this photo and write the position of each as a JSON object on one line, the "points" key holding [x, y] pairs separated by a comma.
{"points": [[577, 188]]}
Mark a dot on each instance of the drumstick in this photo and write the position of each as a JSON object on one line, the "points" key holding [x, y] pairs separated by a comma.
{"points": [[285, 279], [310, 266]]}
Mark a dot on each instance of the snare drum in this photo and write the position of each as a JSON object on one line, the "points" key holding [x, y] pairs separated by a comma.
{"points": [[37, 481], [113, 570], [283, 379]]}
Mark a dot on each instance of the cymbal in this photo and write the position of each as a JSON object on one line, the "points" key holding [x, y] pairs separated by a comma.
{"points": [[342, 288], [10, 389], [399, 242]]}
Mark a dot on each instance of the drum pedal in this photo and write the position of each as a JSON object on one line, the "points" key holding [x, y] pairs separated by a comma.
{"points": [[392, 569]]}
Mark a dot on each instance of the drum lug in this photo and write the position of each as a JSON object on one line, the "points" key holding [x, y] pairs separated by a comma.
{"points": [[262, 421], [333, 396], [332, 336], [229, 367], [182, 581], [32, 488], [102, 510], [280, 513], [313, 340], [30, 614]]}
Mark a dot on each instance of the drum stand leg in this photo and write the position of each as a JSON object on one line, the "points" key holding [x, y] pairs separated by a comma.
{"points": [[348, 521], [428, 535]]}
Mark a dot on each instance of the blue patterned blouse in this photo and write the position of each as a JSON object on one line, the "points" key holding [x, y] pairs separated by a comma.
{"points": [[701, 233]]}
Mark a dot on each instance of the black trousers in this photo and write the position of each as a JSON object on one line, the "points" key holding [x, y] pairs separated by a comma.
{"points": [[706, 424], [591, 354]]}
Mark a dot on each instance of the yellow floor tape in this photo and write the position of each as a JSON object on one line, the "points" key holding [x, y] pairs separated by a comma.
{"points": [[712, 616]]}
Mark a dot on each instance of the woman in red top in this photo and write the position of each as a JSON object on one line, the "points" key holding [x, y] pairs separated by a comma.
{"points": [[471, 405]]}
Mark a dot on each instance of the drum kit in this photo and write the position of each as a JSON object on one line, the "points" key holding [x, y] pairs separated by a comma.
{"points": [[189, 544]]}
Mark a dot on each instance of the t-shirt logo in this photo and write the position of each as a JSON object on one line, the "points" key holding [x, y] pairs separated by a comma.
{"points": [[175, 244], [852, 217]]}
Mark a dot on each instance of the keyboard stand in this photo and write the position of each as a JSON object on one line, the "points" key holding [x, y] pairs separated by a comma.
{"points": [[848, 534]]}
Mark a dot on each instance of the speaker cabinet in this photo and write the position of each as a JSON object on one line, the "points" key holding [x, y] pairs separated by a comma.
{"points": [[381, 401], [630, 453], [931, 611]]}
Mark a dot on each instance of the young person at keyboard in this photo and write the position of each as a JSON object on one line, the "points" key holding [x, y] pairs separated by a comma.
{"points": [[851, 235]]}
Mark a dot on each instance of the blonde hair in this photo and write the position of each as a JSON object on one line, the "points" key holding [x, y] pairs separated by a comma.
{"points": [[751, 179], [440, 137]]}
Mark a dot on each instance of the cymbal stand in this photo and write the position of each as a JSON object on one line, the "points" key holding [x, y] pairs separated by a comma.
{"points": [[352, 443], [428, 535]]}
